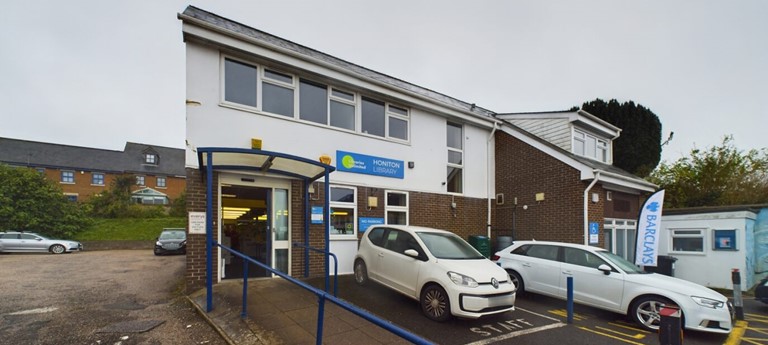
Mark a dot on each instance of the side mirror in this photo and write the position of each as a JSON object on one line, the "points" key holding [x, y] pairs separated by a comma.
{"points": [[412, 253], [605, 268]]}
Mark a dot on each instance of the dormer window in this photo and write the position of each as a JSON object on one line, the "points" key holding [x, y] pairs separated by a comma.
{"points": [[590, 146], [150, 158]]}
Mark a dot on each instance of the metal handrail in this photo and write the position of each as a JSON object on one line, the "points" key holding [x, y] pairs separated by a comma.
{"points": [[322, 296], [335, 266]]}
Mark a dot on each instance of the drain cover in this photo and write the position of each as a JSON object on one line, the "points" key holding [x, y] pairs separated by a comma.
{"points": [[137, 326]]}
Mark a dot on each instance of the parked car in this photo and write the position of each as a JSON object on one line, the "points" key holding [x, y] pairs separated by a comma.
{"points": [[171, 241], [761, 291], [29, 242], [435, 267], [607, 281]]}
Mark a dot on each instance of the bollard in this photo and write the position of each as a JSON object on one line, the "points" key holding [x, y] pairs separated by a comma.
{"points": [[569, 319], [670, 327], [738, 305]]}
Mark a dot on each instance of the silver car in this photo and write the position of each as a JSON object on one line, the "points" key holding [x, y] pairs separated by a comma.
{"points": [[28, 242]]}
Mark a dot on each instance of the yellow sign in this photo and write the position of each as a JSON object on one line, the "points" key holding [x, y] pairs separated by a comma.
{"points": [[256, 144]]}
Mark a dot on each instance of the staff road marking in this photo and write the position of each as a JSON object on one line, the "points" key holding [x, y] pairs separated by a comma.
{"points": [[487, 330]]}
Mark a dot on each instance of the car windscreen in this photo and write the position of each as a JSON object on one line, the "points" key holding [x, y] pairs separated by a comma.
{"points": [[448, 246], [173, 235], [625, 265]]}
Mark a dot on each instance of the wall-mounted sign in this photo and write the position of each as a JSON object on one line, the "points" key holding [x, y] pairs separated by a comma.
{"points": [[370, 165], [365, 222], [197, 223], [594, 232], [725, 240], [317, 215]]}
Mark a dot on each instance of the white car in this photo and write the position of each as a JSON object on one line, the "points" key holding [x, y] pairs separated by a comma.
{"points": [[27, 242], [607, 281], [437, 268]]}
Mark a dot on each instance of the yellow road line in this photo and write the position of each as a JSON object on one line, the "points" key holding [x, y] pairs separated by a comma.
{"points": [[611, 336], [756, 341], [564, 313], [757, 316], [738, 331], [637, 336], [628, 326]]}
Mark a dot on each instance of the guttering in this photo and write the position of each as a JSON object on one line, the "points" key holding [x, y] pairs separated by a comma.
{"points": [[586, 206], [488, 177]]}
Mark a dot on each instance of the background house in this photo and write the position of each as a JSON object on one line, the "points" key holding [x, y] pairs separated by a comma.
{"points": [[82, 172]]}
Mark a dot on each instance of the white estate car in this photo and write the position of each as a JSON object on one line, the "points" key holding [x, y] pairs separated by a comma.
{"points": [[437, 268], [607, 281]]}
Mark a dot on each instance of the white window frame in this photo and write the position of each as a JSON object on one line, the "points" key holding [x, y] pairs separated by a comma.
{"points": [[93, 177], [164, 184], [264, 79], [679, 233], [389, 115], [141, 180], [150, 158], [614, 225], [70, 173], [602, 146], [342, 100], [353, 206], [72, 197], [391, 208], [448, 160]]}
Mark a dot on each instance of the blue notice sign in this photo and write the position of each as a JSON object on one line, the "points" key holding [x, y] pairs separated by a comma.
{"points": [[317, 215], [370, 165], [594, 231], [364, 223]]}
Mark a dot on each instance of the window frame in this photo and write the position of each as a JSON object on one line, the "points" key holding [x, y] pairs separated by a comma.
{"points": [[141, 180], [581, 145], [94, 180], [396, 208], [460, 151], [346, 205], [161, 185], [67, 177], [701, 234], [151, 158]]}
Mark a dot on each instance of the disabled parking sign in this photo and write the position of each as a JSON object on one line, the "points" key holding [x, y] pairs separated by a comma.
{"points": [[594, 231]]}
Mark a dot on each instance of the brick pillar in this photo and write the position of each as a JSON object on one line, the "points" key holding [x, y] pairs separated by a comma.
{"points": [[196, 250]]}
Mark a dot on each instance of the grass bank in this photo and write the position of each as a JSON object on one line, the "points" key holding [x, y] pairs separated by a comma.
{"points": [[129, 229]]}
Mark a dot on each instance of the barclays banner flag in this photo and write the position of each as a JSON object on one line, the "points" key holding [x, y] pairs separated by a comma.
{"points": [[648, 230]]}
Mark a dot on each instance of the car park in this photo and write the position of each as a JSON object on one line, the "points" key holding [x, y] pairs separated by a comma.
{"points": [[30, 242], [171, 241], [435, 267], [607, 281]]}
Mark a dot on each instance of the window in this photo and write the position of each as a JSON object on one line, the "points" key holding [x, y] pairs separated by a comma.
{"points": [[161, 181], [140, 180], [620, 237], [688, 240], [71, 197], [313, 102], [590, 146], [543, 252], [377, 236], [277, 89], [454, 178], [397, 208], [97, 179], [67, 176], [343, 212], [580, 257], [398, 122], [342, 109], [240, 83], [40, 170], [373, 119], [150, 158]]}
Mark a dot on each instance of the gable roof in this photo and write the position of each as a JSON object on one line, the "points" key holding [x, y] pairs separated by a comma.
{"points": [[57, 156]]}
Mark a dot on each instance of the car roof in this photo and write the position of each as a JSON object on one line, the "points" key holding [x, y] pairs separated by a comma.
{"points": [[562, 244], [413, 228]]}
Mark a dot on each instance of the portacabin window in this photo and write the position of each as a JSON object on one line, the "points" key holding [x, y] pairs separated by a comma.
{"points": [[343, 212], [687, 240], [397, 207], [97, 179], [161, 183], [67, 176], [455, 143]]}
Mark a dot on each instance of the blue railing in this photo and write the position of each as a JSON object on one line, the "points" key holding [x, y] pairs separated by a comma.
{"points": [[335, 266], [322, 297]]}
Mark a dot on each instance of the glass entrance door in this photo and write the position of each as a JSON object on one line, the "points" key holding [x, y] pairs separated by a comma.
{"points": [[281, 236]]}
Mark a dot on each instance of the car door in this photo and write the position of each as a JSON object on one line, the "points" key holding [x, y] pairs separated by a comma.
{"points": [[33, 243], [540, 269], [400, 271], [9, 242], [591, 286]]}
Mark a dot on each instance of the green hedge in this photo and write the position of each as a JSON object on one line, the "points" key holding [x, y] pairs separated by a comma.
{"points": [[129, 229]]}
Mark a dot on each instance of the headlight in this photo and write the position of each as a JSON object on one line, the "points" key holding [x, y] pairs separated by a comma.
{"points": [[158, 244], [183, 243], [706, 302], [460, 279]]}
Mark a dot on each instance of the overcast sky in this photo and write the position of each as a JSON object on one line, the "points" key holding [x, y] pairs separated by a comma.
{"points": [[99, 73]]}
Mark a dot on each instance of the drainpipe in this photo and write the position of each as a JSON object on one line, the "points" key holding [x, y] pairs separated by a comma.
{"points": [[488, 177], [586, 206]]}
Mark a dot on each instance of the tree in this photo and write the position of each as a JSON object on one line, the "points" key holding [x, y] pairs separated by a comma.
{"points": [[638, 148], [116, 201], [720, 175], [29, 202]]}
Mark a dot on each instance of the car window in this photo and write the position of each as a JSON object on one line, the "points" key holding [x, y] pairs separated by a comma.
{"points": [[28, 237], [400, 241], [580, 257], [542, 252], [448, 246], [173, 235], [377, 236], [9, 236]]}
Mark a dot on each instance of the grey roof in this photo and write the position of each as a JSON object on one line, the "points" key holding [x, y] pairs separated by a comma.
{"points": [[233, 27], [713, 209], [57, 156]]}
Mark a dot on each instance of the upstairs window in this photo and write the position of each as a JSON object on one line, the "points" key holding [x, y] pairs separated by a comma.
{"points": [[139, 180], [67, 176], [373, 118], [455, 143], [240, 83], [97, 179], [161, 182], [342, 109], [278, 93], [590, 146], [150, 158], [313, 102]]}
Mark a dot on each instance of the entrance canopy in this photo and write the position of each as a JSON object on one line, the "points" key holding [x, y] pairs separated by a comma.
{"points": [[239, 159], [227, 158]]}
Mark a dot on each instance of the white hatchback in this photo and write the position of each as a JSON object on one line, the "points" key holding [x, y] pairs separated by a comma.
{"points": [[607, 281], [437, 268]]}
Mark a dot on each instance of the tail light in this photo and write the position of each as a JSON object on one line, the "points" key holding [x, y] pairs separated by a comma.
{"points": [[495, 257]]}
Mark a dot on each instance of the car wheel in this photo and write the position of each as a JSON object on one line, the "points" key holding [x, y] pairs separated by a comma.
{"points": [[435, 303], [361, 272], [57, 249], [516, 279], [646, 311]]}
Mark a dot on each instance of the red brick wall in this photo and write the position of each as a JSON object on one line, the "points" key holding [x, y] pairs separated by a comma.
{"points": [[196, 251], [84, 189], [522, 171]]}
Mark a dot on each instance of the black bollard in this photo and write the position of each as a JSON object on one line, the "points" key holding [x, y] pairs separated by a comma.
{"points": [[738, 304], [670, 326]]}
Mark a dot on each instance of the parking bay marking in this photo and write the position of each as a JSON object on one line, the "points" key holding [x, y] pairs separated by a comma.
{"points": [[33, 311], [611, 336], [487, 330], [564, 313]]}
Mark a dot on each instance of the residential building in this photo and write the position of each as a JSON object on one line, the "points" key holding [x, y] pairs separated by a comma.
{"points": [[82, 172]]}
